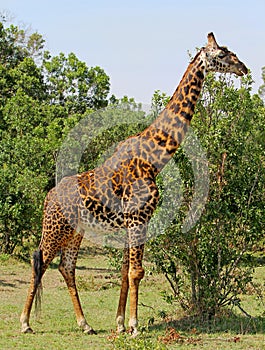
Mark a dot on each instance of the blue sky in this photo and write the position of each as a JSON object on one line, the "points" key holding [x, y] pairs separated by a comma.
{"points": [[142, 44]]}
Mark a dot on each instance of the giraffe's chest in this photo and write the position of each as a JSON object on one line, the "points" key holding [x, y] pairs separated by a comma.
{"points": [[103, 216], [100, 209], [101, 225]]}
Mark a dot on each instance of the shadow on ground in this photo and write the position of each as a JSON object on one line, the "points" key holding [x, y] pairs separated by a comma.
{"points": [[231, 324]]}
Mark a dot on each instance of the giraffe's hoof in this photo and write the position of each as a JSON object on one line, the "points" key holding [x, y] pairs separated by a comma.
{"points": [[134, 332], [120, 330], [90, 331], [27, 330], [120, 325]]}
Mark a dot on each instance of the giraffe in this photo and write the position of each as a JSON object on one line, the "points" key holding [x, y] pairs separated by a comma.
{"points": [[121, 193]]}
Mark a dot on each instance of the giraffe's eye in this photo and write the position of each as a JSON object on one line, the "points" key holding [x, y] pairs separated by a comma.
{"points": [[222, 55]]}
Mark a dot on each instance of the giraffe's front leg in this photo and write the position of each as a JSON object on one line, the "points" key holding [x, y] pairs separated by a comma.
{"points": [[120, 317], [139, 202], [136, 273]]}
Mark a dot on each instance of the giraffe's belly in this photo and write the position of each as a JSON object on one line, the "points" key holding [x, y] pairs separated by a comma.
{"points": [[104, 228]]}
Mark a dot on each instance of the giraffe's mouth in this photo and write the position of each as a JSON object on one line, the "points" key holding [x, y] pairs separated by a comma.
{"points": [[241, 69]]}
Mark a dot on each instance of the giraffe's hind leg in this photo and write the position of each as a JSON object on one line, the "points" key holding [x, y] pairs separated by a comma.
{"points": [[40, 262], [67, 269]]}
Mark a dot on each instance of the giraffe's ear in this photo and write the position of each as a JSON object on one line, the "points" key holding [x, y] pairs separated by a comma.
{"points": [[211, 41]]}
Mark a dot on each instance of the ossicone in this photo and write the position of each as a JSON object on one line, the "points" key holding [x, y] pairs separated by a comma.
{"points": [[211, 41]]}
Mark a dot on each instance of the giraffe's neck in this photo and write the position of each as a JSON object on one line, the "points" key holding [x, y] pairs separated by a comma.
{"points": [[168, 130], [153, 147]]}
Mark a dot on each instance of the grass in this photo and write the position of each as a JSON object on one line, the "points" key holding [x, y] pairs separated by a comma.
{"points": [[162, 326]]}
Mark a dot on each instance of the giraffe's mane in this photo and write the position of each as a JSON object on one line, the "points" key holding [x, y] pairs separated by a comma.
{"points": [[197, 54]]}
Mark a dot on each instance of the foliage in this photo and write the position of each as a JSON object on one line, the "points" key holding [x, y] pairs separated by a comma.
{"points": [[159, 100], [71, 84], [262, 87], [205, 266]]}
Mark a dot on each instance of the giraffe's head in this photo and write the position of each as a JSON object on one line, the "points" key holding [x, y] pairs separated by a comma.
{"points": [[220, 59]]}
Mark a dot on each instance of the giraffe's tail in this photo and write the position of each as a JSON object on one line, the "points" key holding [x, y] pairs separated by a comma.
{"points": [[37, 267]]}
